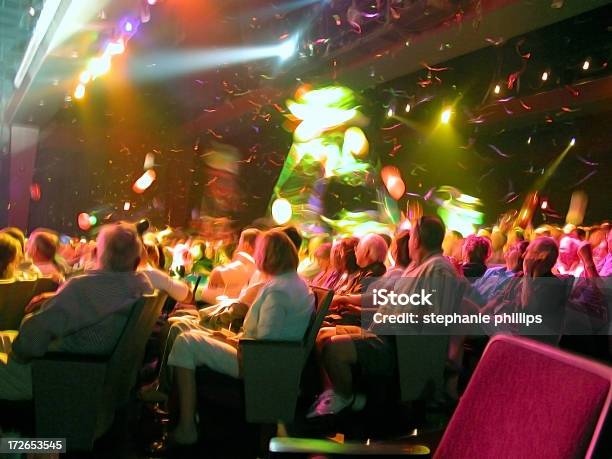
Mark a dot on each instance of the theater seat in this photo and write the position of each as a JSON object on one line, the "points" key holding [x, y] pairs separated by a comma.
{"points": [[271, 373], [15, 296], [76, 396], [528, 399], [525, 399]]}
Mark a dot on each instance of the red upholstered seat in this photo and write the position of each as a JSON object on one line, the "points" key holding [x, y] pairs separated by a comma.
{"points": [[527, 399]]}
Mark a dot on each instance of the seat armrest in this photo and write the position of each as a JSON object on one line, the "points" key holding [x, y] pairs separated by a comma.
{"points": [[265, 343]]}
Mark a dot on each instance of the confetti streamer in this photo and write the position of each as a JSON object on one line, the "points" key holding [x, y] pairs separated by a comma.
{"points": [[498, 151], [584, 179]]}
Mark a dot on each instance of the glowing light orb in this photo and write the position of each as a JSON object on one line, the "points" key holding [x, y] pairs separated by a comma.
{"points": [[390, 113], [144, 182], [128, 26], [281, 211], [93, 220], [497, 89], [355, 142], [572, 142], [83, 221], [446, 115], [127, 205], [392, 179], [408, 108], [79, 92], [544, 76], [586, 65]]}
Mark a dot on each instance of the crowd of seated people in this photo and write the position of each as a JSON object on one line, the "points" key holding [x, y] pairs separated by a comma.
{"points": [[260, 291]]}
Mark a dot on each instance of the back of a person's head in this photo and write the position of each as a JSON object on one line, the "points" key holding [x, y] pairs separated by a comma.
{"points": [[9, 249], [376, 247], [477, 249], [17, 234], [402, 249], [346, 250], [548, 246], [430, 231], [275, 253], [249, 237], [119, 247], [294, 235], [43, 244], [323, 252]]}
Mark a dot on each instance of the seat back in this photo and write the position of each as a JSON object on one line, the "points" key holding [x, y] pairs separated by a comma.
{"points": [[323, 298], [272, 370], [14, 297], [125, 361], [528, 399], [44, 285], [76, 396], [421, 360]]}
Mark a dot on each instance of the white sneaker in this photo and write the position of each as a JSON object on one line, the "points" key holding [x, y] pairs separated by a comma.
{"points": [[329, 402]]}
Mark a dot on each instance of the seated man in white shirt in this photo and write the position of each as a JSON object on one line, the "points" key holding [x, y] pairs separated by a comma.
{"points": [[231, 278]]}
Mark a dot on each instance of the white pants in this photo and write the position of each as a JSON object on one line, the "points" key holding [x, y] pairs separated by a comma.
{"points": [[196, 348]]}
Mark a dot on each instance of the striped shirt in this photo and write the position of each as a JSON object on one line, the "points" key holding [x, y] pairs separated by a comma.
{"points": [[86, 316]]}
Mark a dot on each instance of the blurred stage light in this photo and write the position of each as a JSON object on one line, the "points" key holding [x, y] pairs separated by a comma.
{"points": [[572, 142], [115, 47], [93, 220], [128, 26], [127, 205], [355, 142], [544, 76], [151, 2], [144, 182], [85, 76], [83, 221], [281, 211], [408, 108], [497, 89], [446, 115], [79, 92], [390, 112], [99, 65], [586, 65], [287, 49]]}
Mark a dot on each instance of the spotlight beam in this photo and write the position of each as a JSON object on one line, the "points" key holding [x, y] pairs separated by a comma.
{"points": [[170, 63]]}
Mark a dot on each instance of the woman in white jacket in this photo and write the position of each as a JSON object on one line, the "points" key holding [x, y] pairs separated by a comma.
{"points": [[282, 311]]}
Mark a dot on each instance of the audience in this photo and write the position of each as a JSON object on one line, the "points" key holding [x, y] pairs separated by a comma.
{"points": [[322, 258], [86, 316], [375, 353], [476, 251], [9, 256], [282, 311], [495, 279], [41, 248], [228, 280], [25, 269], [261, 293]]}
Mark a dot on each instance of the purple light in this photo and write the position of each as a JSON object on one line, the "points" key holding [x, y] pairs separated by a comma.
{"points": [[128, 26]]}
